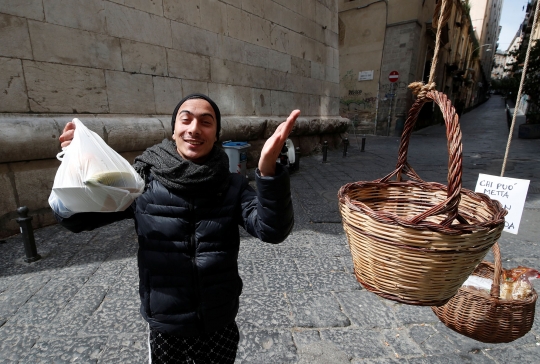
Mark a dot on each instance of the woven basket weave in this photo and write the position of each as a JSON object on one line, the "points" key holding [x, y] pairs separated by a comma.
{"points": [[488, 318], [416, 242]]}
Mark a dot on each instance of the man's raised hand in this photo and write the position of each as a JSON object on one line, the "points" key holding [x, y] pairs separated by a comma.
{"points": [[274, 144]]}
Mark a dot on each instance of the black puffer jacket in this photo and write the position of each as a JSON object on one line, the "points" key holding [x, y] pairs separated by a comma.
{"points": [[188, 247]]}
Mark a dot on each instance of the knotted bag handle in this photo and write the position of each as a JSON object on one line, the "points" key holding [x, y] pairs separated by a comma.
{"points": [[453, 135]]}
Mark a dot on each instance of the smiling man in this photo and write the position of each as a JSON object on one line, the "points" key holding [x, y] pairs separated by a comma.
{"points": [[187, 223]]}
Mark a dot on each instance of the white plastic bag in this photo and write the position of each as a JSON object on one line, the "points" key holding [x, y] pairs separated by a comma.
{"points": [[92, 177]]}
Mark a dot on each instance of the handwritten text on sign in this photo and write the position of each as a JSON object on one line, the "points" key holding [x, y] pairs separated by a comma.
{"points": [[510, 192]]}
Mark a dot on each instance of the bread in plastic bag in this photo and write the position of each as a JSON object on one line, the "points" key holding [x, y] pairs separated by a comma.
{"points": [[93, 177]]}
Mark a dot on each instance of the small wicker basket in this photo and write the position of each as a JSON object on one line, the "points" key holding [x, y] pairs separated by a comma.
{"points": [[488, 318], [416, 242]]}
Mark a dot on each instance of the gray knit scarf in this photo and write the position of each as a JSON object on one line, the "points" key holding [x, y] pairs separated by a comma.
{"points": [[177, 174]]}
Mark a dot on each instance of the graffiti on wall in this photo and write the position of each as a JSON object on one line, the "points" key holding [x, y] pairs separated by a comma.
{"points": [[357, 105], [355, 99], [397, 86]]}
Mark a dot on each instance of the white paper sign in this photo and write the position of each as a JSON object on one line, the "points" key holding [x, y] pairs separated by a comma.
{"points": [[365, 75], [510, 192]]}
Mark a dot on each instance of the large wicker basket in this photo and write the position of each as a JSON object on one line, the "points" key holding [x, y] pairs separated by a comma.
{"points": [[416, 242], [488, 318]]}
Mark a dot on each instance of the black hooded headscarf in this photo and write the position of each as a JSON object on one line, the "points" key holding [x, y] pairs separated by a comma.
{"points": [[199, 96]]}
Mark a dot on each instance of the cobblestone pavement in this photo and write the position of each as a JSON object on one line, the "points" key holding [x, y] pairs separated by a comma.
{"points": [[301, 302]]}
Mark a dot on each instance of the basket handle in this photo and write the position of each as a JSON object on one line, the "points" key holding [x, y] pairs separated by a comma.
{"points": [[453, 135], [496, 285]]}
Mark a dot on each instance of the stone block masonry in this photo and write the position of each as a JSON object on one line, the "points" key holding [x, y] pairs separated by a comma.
{"points": [[97, 56]]}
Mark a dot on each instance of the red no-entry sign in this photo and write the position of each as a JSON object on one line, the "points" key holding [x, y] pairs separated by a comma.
{"points": [[394, 76]]}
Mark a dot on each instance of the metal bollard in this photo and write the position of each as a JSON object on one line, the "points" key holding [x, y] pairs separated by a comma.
{"points": [[283, 157], [297, 158], [324, 151], [363, 144], [345, 146], [28, 235]]}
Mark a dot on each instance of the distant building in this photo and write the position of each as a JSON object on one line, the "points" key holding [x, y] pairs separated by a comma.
{"points": [[497, 72], [377, 38], [485, 17]]}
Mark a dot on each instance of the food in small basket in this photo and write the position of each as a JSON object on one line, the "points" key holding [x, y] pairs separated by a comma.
{"points": [[515, 284], [480, 284]]}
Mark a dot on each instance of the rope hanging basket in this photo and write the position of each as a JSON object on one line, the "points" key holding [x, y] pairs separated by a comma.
{"points": [[488, 319], [413, 241]]}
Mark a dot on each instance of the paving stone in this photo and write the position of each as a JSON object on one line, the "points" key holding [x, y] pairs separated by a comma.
{"points": [[116, 316], [431, 341], [253, 284], [261, 311], [20, 292], [358, 343], [287, 282], [295, 252], [515, 355], [333, 281], [59, 290], [130, 348], [125, 288], [323, 352], [306, 337], [314, 309], [333, 239], [245, 266], [323, 264], [349, 264], [408, 314], [266, 346], [299, 239], [379, 360], [15, 341], [274, 265], [66, 350], [260, 252], [78, 311], [35, 313], [7, 281], [366, 309], [108, 272], [453, 359], [518, 248], [335, 229], [332, 250], [401, 343]]}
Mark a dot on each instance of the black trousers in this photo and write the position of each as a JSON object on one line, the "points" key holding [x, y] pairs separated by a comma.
{"points": [[217, 347]]}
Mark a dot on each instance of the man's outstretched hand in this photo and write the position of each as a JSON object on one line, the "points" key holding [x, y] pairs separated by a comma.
{"points": [[67, 134], [274, 144]]}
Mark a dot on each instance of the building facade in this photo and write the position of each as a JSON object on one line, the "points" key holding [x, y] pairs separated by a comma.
{"points": [[378, 39], [486, 16], [499, 62]]}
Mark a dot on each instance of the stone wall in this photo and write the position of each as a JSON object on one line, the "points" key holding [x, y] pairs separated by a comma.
{"points": [[122, 65], [256, 57]]}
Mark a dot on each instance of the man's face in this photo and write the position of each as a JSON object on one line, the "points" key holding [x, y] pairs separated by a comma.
{"points": [[195, 130]]}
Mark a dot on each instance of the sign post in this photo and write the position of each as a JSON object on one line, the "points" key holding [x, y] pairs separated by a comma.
{"points": [[392, 77]]}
